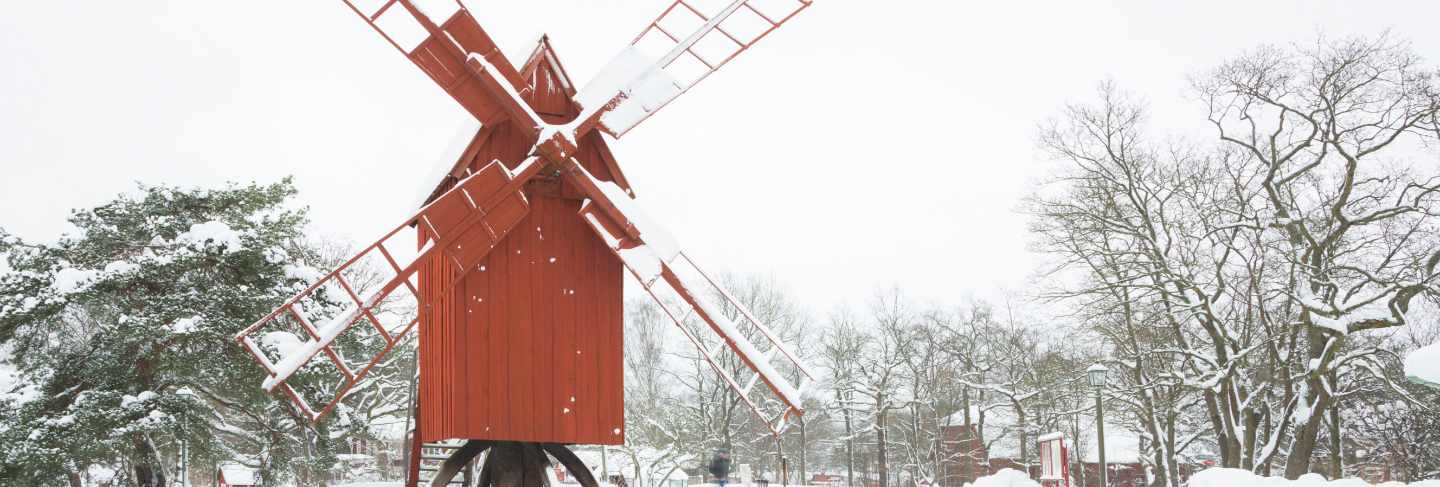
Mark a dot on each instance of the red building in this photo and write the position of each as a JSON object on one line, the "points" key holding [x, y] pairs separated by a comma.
{"points": [[236, 475], [990, 442]]}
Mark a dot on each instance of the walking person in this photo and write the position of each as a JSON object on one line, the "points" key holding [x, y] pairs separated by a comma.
{"points": [[720, 467]]}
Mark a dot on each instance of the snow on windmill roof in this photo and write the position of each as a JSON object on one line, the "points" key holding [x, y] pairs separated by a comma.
{"points": [[469, 135], [544, 50], [1423, 365]]}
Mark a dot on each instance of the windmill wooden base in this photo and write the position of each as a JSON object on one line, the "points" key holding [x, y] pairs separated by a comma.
{"points": [[506, 464]]}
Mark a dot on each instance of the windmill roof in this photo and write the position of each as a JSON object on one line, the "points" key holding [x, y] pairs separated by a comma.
{"points": [[545, 51], [541, 59]]}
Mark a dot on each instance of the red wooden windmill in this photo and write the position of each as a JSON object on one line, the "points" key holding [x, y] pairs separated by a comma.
{"points": [[518, 278]]}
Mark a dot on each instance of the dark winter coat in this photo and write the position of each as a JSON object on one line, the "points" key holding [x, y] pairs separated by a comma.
{"points": [[720, 467]]}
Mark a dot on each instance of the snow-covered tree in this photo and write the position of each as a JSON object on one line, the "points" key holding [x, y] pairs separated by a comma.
{"points": [[1331, 126], [1239, 271], [843, 345], [121, 332]]}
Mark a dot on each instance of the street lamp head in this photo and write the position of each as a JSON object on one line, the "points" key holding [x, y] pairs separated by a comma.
{"points": [[1096, 375]]}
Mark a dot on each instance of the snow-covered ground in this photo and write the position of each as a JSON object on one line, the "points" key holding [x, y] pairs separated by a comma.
{"points": [[1215, 477], [1005, 478], [1234, 477]]}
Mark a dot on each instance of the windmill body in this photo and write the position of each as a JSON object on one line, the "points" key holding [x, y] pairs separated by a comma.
{"points": [[517, 286], [526, 344]]}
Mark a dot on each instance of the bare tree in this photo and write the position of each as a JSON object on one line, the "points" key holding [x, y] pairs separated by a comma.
{"points": [[1134, 222], [1322, 121], [843, 347]]}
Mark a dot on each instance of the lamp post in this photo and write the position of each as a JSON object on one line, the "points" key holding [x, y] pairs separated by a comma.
{"points": [[1096, 376], [187, 395]]}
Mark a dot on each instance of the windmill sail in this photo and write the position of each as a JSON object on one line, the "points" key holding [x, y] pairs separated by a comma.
{"points": [[464, 224], [662, 268], [439, 38], [686, 43]]}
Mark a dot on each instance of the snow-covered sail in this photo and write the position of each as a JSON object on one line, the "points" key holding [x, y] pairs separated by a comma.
{"points": [[465, 222]]}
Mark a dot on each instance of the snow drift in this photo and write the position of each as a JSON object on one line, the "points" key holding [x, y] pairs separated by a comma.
{"points": [[1234, 477], [1215, 477], [1007, 477]]}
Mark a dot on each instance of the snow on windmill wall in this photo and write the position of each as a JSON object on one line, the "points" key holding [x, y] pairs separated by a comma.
{"points": [[527, 346]]}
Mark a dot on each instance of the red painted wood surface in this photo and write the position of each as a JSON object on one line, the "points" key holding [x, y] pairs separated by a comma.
{"points": [[435, 57], [527, 345]]}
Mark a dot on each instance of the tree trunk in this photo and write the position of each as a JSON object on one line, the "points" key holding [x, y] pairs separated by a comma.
{"points": [[1024, 452], [968, 429], [1077, 471], [1252, 425], [865, 473], [803, 447], [1302, 448], [849, 444], [148, 472], [1337, 465], [1172, 464], [1317, 400], [1212, 409], [915, 443], [725, 428], [881, 450], [1265, 468]]}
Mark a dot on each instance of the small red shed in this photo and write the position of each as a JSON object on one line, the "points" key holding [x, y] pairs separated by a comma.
{"points": [[236, 475]]}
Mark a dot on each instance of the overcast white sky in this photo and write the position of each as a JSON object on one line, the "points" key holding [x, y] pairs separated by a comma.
{"points": [[864, 145]]}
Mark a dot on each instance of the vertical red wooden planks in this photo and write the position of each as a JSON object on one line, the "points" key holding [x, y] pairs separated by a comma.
{"points": [[614, 360], [524, 349], [604, 389], [499, 389], [564, 355]]}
